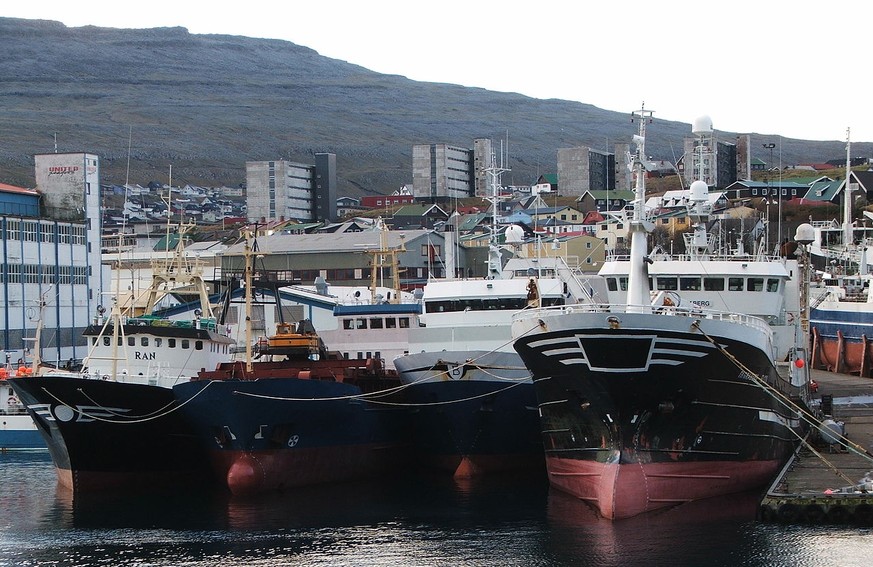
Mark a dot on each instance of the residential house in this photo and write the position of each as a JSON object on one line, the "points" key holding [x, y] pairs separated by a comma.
{"points": [[566, 214], [748, 189], [615, 233], [602, 200], [545, 183], [411, 217]]}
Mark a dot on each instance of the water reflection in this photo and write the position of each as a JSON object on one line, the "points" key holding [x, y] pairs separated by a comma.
{"points": [[407, 519], [708, 532]]}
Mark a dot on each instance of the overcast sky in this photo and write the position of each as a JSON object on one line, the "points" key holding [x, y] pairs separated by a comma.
{"points": [[768, 67]]}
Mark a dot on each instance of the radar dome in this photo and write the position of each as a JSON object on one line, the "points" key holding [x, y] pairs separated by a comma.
{"points": [[514, 234], [805, 234], [702, 125], [699, 191]]}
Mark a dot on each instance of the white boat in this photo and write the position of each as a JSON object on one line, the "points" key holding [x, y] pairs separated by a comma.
{"points": [[672, 391], [473, 404], [17, 430]]}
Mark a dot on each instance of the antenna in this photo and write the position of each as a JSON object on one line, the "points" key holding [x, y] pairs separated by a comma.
{"points": [[847, 195]]}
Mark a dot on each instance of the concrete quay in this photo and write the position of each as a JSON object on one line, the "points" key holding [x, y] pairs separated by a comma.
{"points": [[830, 478]]}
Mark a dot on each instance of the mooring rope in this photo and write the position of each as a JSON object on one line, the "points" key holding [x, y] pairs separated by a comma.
{"points": [[139, 419], [373, 396], [785, 401]]}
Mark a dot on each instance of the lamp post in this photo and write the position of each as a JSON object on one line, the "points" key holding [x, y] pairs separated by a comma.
{"points": [[770, 146]]}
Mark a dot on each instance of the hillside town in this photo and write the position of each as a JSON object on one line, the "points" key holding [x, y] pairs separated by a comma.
{"points": [[441, 223]]}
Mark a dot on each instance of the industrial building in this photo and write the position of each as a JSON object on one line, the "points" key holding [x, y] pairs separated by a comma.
{"points": [[51, 261]]}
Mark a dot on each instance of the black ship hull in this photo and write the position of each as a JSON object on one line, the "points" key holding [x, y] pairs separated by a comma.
{"points": [[651, 411], [111, 435]]}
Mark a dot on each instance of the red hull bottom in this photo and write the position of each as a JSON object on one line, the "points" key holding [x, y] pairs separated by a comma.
{"points": [[469, 466], [253, 472], [626, 490]]}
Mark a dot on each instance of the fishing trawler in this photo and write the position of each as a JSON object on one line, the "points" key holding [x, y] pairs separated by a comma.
{"points": [[115, 424], [656, 398], [293, 413], [473, 407], [841, 309]]}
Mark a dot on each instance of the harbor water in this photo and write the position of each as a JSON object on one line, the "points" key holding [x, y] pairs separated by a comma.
{"points": [[410, 519]]}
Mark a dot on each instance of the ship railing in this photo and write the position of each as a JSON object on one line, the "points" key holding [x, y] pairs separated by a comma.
{"points": [[208, 324], [695, 312], [709, 256]]}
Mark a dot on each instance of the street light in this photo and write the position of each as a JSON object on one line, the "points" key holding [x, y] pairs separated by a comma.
{"points": [[770, 146]]}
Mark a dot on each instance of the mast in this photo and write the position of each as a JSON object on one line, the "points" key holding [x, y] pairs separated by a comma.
{"points": [[638, 292], [382, 256], [847, 197], [495, 261], [248, 253], [697, 243], [36, 354]]}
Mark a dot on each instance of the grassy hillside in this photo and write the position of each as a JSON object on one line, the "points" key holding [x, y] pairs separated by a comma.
{"points": [[205, 104]]}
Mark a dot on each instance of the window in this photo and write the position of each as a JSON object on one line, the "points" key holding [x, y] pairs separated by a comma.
{"points": [[144, 341], [611, 284], [736, 284], [131, 341], [433, 248], [772, 284], [667, 283], [376, 323], [198, 345], [689, 284], [186, 343], [390, 323], [158, 342], [171, 343], [404, 322], [713, 284], [755, 284], [348, 324], [360, 323]]}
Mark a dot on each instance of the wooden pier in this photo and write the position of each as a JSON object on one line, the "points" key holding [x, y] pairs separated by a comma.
{"points": [[827, 479]]}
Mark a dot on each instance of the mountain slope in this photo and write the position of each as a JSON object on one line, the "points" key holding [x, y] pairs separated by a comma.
{"points": [[205, 104]]}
